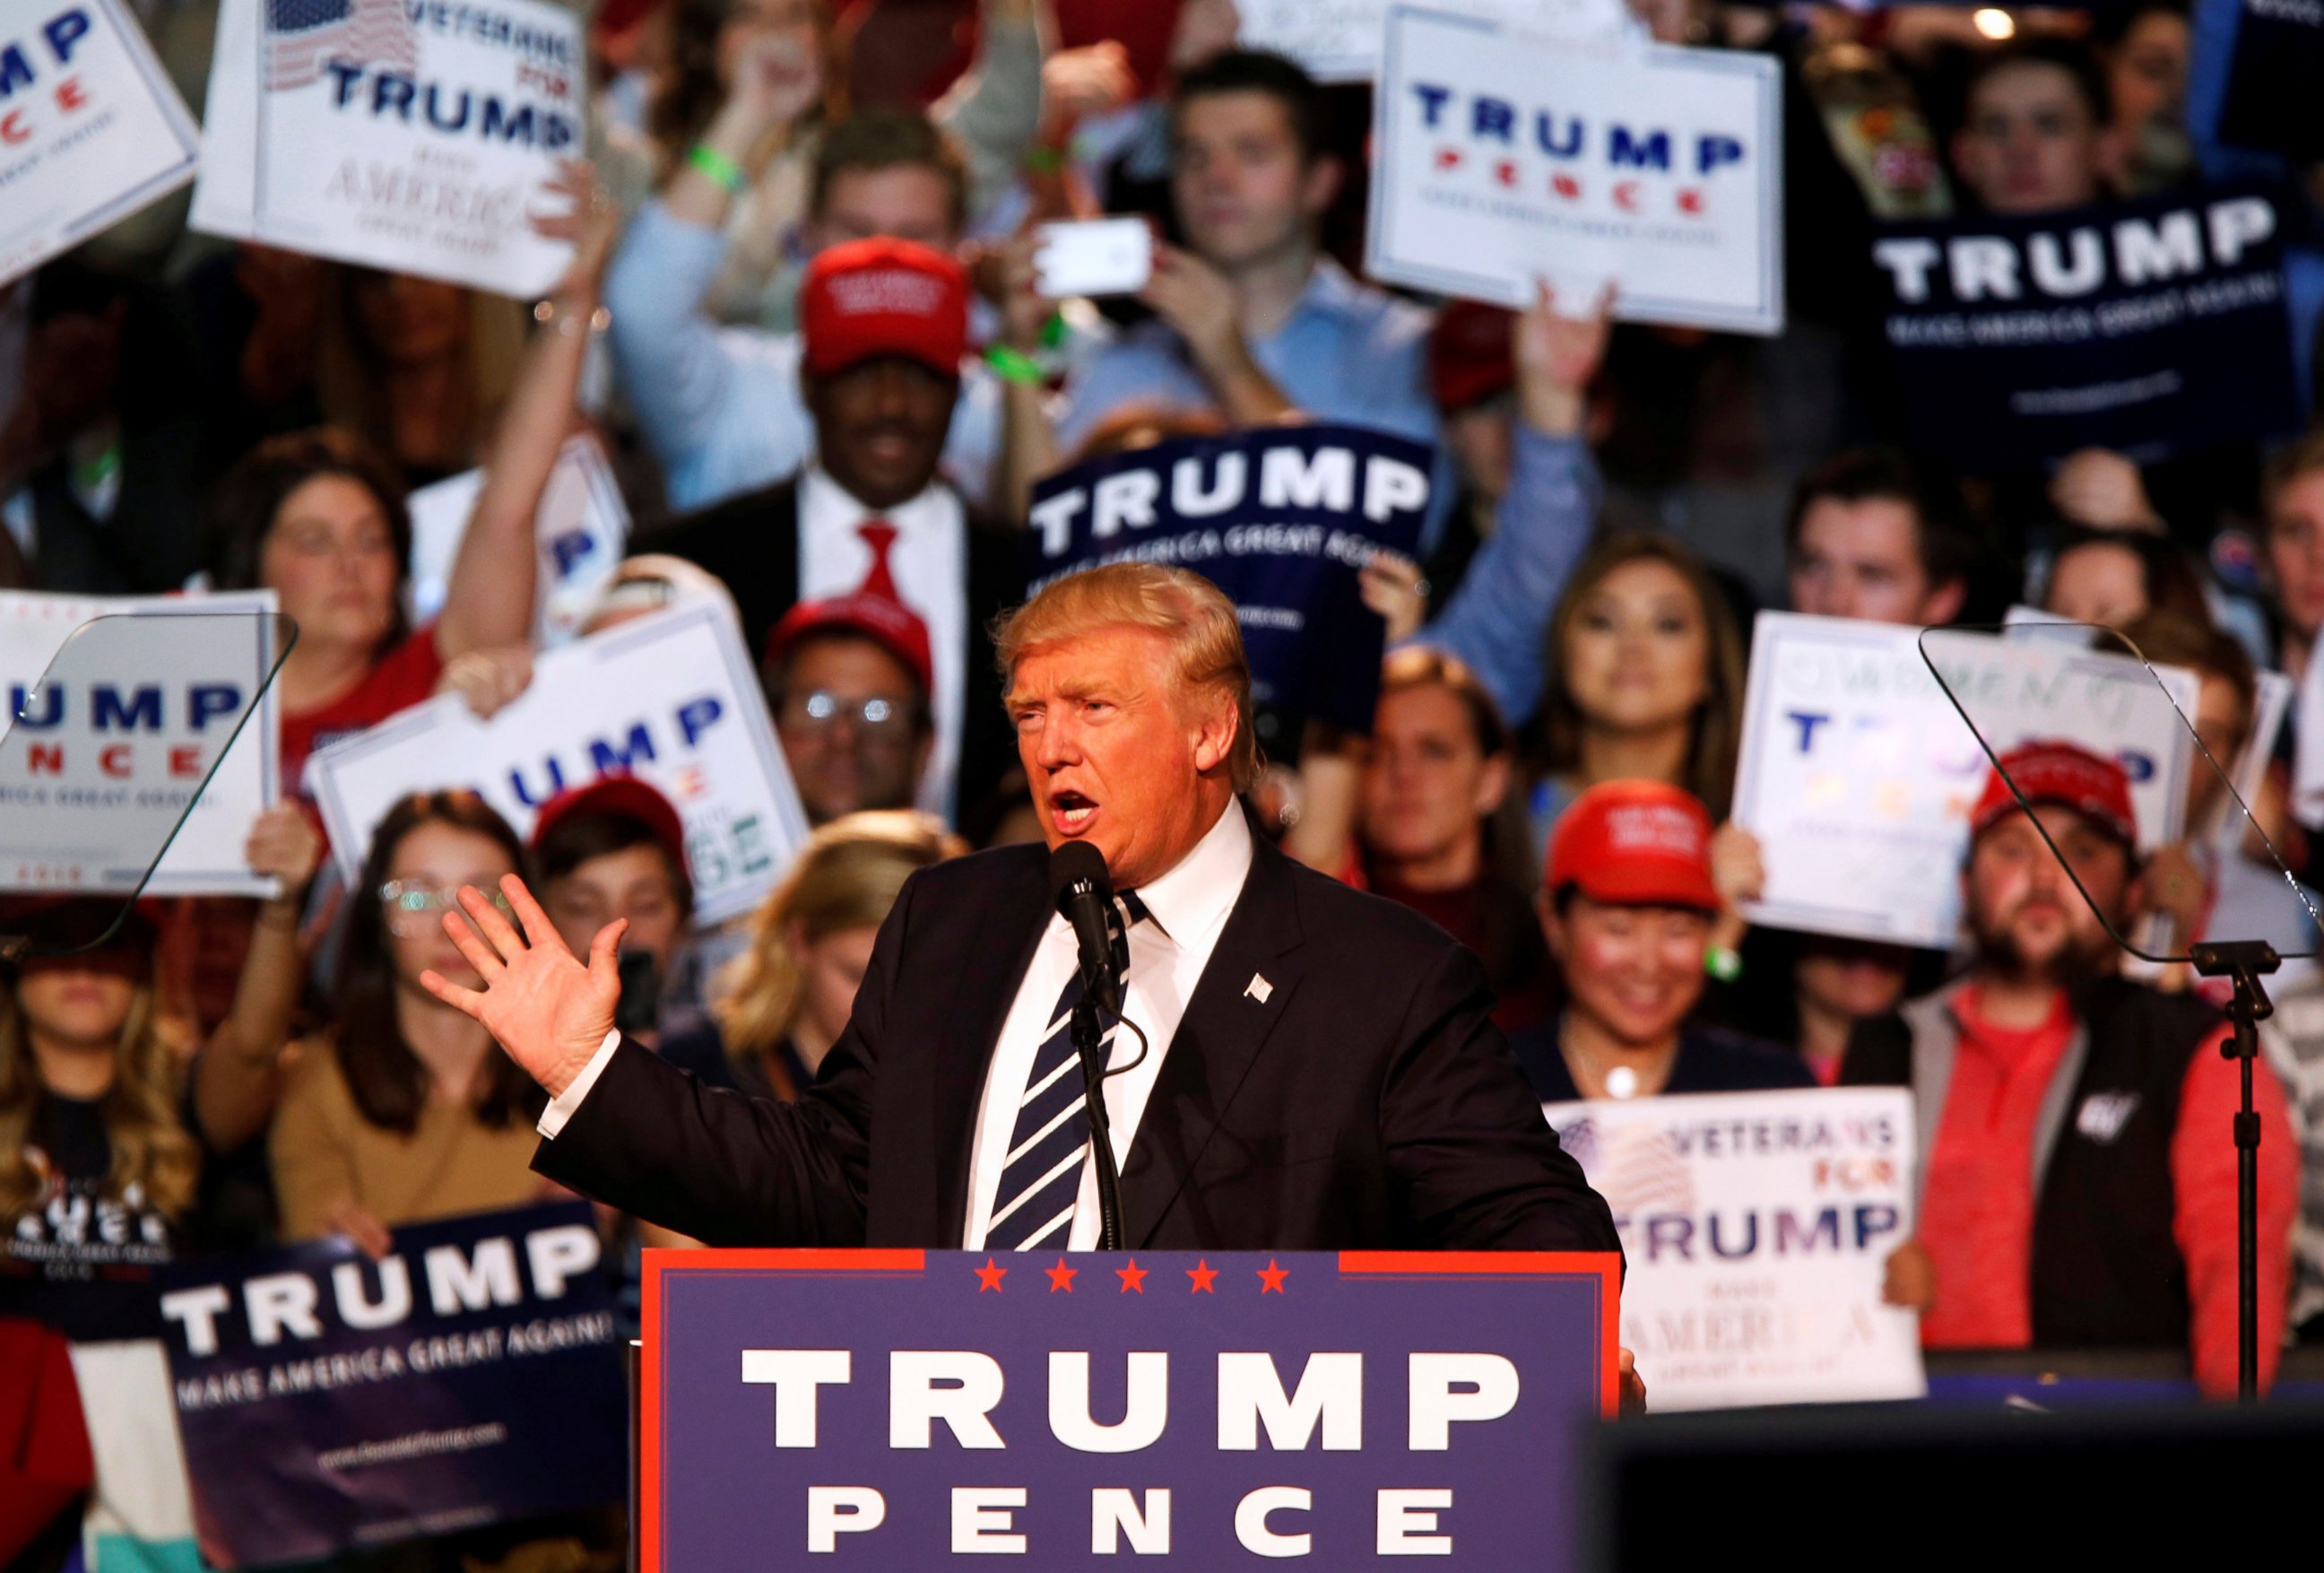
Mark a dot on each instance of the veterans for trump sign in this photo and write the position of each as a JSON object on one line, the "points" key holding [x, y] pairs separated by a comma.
{"points": [[670, 698], [1858, 774], [412, 135], [1281, 518], [90, 129], [1506, 157], [2148, 328], [1339, 40], [1755, 1233], [330, 1402], [891, 1409]]}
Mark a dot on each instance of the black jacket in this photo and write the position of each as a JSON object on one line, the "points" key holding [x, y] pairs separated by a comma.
{"points": [[751, 542], [1367, 1102]]}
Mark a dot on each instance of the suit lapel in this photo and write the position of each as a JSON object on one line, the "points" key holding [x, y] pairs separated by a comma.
{"points": [[1245, 990], [1006, 938]]}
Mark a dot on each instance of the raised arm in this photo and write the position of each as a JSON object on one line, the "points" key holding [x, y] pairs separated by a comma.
{"points": [[994, 109], [239, 1074], [489, 596], [1498, 622], [628, 1129]]}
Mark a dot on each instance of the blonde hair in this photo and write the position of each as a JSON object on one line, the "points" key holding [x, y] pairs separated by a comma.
{"points": [[1196, 614], [153, 1154], [847, 877]]}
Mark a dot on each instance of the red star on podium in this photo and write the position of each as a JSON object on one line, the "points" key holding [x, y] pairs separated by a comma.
{"points": [[1060, 1276], [1202, 1272], [989, 1277], [1272, 1277], [1132, 1277]]}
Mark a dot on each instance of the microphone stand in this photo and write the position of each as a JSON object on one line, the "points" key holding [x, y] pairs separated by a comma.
{"points": [[2244, 962]]}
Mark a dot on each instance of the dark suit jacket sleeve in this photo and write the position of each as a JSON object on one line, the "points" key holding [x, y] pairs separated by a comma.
{"points": [[726, 1168], [1481, 1169]]}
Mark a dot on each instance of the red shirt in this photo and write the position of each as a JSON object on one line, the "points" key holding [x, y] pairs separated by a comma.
{"points": [[1977, 1214], [402, 678]]}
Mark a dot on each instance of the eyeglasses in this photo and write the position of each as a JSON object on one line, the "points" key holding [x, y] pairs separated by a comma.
{"points": [[413, 907], [821, 710]]}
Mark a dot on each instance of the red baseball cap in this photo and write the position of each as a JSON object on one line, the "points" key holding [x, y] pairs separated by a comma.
{"points": [[623, 797], [2054, 771], [886, 622], [882, 296], [1635, 843], [1469, 354]]}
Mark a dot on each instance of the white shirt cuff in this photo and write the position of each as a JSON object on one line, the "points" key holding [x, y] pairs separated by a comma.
{"points": [[560, 1109]]}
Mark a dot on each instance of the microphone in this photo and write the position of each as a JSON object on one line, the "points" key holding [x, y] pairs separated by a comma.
{"points": [[1084, 891]]}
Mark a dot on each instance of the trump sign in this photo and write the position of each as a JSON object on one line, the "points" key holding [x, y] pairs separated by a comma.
{"points": [[1505, 157], [887, 1409]]}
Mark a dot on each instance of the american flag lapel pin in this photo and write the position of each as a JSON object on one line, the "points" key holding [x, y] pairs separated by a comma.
{"points": [[1258, 989]]}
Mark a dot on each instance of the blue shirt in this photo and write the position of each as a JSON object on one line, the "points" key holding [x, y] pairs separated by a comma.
{"points": [[1498, 622], [1347, 352]]}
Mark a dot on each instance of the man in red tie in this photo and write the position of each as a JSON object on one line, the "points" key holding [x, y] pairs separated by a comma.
{"points": [[884, 323]]}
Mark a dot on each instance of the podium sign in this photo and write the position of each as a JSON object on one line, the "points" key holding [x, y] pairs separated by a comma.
{"points": [[886, 1409]]}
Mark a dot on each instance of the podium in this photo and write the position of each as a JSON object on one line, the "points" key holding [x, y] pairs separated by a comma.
{"points": [[893, 1408]]}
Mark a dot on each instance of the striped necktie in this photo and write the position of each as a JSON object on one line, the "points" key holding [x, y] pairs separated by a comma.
{"points": [[1041, 1181]]}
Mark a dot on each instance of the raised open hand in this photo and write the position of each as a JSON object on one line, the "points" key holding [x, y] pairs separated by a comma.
{"points": [[546, 1009]]}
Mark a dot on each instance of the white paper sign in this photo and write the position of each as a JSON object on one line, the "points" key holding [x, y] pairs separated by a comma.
{"points": [[582, 525], [90, 128], [1858, 774], [670, 697], [407, 134], [126, 726], [1339, 40], [1503, 158], [1756, 1229]]}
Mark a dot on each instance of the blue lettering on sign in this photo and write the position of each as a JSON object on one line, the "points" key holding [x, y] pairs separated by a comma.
{"points": [[19, 702], [697, 716], [394, 96], [570, 549], [15, 71], [64, 29], [1807, 721], [206, 702], [1733, 1237], [1651, 151], [2139, 767], [1432, 102], [143, 712], [608, 757]]}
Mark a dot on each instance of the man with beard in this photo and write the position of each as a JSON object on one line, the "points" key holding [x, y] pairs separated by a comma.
{"points": [[2078, 1184]]}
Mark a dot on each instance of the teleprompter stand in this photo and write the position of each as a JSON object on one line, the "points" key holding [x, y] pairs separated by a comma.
{"points": [[2244, 962]]}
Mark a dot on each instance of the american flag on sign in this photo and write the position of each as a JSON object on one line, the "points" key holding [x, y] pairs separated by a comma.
{"points": [[302, 35]]}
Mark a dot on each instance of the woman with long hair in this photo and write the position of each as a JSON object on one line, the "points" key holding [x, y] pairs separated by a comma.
{"points": [[109, 1107], [784, 1002], [405, 1110]]}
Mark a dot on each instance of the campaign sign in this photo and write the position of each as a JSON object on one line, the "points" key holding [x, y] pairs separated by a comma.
{"points": [[90, 128], [670, 698], [1858, 774], [2149, 327], [136, 723], [2270, 96], [412, 135], [582, 526], [1507, 157], [892, 1409], [1281, 518], [330, 1402], [1757, 1229], [1339, 40]]}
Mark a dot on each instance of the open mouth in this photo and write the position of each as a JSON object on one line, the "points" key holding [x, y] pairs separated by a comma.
{"points": [[1071, 812]]}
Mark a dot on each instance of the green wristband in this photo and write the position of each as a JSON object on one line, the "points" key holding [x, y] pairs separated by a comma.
{"points": [[1722, 963], [1010, 367], [724, 171]]}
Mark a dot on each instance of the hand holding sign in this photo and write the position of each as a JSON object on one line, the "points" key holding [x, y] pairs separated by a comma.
{"points": [[1557, 357], [549, 1012]]}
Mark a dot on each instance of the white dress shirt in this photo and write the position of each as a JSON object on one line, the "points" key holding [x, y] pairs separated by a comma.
{"points": [[1186, 910], [929, 561]]}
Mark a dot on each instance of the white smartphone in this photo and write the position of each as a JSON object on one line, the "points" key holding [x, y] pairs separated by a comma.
{"points": [[1097, 256]]}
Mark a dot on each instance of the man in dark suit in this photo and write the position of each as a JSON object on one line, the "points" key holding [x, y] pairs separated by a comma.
{"points": [[883, 323], [1323, 1071]]}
